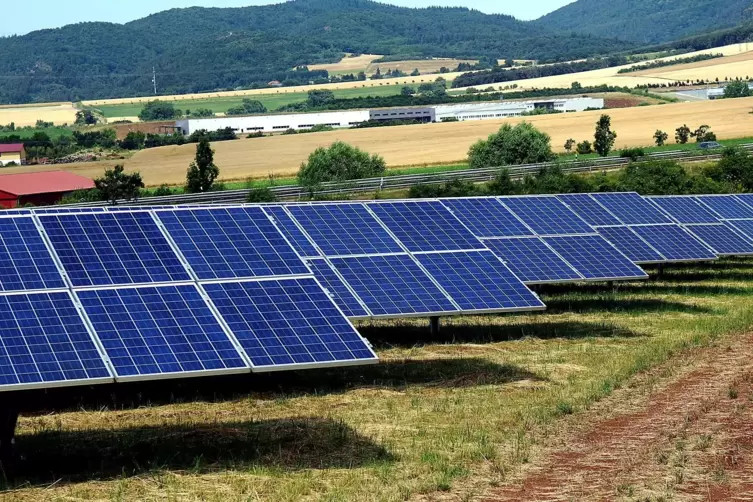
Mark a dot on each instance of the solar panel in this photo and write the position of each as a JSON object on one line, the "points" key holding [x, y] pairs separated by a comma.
{"points": [[686, 210], [113, 248], [44, 342], [595, 258], [745, 198], [25, 262], [425, 226], [231, 243], [68, 210], [587, 208], [478, 281], [344, 229], [532, 260], [288, 324], [393, 285], [674, 243], [632, 246], [290, 229], [721, 239], [160, 332], [487, 217], [332, 282], [547, 215], [743, 227], [727, 206], [631, 208]]}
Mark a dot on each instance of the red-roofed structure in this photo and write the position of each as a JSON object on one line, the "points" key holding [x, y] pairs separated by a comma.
{"points": [[40, 189], [12, 153]]}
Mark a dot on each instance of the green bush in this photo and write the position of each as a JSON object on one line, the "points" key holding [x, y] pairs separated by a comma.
{"points": [[261, 195], [453, 188], [632, 153], [159, 110], [584, 148], [339, 162], [735, 169], [163, 191], [521, 144]]}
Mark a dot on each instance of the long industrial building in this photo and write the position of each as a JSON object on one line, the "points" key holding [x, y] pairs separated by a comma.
{"points": [[278, 123]]}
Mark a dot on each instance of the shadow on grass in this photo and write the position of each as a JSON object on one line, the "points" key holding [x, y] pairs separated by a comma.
{"points": [[288, 444], [621, 292], [616, 304]]}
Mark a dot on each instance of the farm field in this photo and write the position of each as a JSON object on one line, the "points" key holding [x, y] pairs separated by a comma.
{"points": [[366, 63], [27, 115], [348, 64], [426, 144], [515, 386]]}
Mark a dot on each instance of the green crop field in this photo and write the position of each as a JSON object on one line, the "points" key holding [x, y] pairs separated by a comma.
{"points": [[272, 101], [459, 413]]}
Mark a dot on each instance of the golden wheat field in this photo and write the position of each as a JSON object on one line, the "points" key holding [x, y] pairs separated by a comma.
{"points": [[348, 63], [423, 144], [27, 115]]}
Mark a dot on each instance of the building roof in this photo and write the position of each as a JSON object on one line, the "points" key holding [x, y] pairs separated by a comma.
{"points": [[43, 182], [11, 148]]}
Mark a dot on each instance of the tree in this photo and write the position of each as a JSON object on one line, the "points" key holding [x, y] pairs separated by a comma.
{"points": [[407, 91], [521, 144], [503, 184], [576, 86], [86, 117], [415, 73], [202, 172], [248, 107], [735, 168], [134, 140], [737, 89], [339, 162], [116, 184], [200, 113], [569, 144], [703, 134], [584, 148], [320, 98], [159, 110], [660, 137], [604, 137], [682, 134]]}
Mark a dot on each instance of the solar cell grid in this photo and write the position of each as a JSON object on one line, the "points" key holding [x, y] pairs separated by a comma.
{"points": [[631, 208], [288, 227], [487, 217], [631, 245], [532, 260], [231, 243], [288, 323], [478, 281], [425, 226], [745, 198], [588, 209], [164, 331], [685, 210], [721, 239], [25, 262], [343, 297], [595, 258], [113, 248], [726, 206], [674, 243], [44, 342], [547, 215], [344, 229], [743, 227], [393, 286]]}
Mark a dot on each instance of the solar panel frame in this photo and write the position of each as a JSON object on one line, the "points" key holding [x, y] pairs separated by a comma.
{"points": [[525, 265], [631, 209], [334, 283], [727, 207], [627, 242], [743, 227], [474, 213], [546, 215], [671, 255], [293, 231], [745, 198], [589, 210], [586, 266], [683, 209], [720, 239]]}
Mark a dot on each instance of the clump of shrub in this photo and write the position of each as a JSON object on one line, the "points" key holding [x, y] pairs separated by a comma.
{"points": [[339, 162], [632, 153]]}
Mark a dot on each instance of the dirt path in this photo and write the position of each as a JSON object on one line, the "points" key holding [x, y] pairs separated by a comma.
{"points": [[691, 439]]}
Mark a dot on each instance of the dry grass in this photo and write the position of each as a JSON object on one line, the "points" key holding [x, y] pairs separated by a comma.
{"points": [[422, 144], [423, 65], [458, 414], [347, 64], [27, 115]]}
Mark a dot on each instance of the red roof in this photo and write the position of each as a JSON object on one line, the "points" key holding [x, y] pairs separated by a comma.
{"points": [[43, 182], [11, 148]]}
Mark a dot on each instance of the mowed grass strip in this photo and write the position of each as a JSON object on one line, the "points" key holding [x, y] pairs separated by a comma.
{"points": [[460, 413]]}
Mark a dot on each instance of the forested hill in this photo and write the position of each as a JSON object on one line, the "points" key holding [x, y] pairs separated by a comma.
{"points": [[648, 21], [198, 49]]}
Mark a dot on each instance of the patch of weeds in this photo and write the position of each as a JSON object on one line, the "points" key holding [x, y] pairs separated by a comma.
{"points": [[703, 442], [564, 408], [732, 393], [625, 490]]}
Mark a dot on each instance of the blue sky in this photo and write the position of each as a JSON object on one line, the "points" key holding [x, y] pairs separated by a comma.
{"points": [[30, 16]]}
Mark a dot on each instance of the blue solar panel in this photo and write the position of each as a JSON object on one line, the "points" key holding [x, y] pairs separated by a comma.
{"points": [[25, 262], [344, 229], [288, 323], [674, 243], [632, 246], [595, 258], [425, 226], [288, 227], [743, 227], [479, 281], [343, 297], [727, 206], [587, 208], [167, 331], [721, 239], [393, 286], [44, 342], [68, 210], [231, 243], [631, 208], [532, 260], [487, 217], [686, 210], [746, 198], [547, 215], [113, 248]]}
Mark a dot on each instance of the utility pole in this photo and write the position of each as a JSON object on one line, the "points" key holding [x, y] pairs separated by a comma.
{"points": [[154, 80]]}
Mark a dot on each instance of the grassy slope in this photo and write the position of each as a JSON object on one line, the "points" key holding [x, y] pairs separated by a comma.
{"points": [[458, 413]]}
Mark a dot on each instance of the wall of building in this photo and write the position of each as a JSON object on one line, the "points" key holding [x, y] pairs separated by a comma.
{"points": [[275, 123], [504, 109], [7, 158]]}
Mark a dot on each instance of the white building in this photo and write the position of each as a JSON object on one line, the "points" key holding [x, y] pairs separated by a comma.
{"points": [[275, 123], [503, 109]]}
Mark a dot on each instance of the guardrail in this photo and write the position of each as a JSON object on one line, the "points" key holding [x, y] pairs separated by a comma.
{"points": [[294, 192]]}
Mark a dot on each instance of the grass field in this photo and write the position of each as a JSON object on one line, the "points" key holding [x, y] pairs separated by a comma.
{"points": [[418, 145], [27, 115], [441, 419]]}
